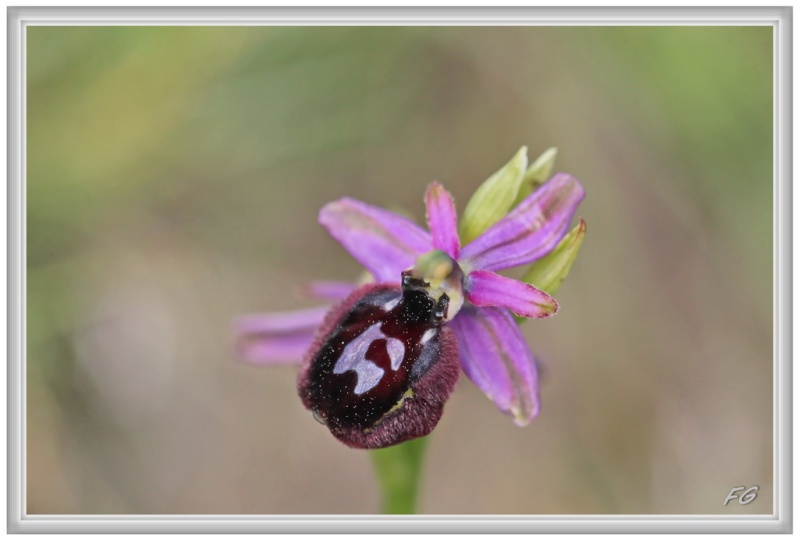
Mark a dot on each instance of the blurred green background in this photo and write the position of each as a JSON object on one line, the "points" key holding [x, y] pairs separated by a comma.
{"points": [[174, 176]]}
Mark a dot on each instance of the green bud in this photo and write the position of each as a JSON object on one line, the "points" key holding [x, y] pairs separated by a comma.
{"points": [[493, 199], [537, 174], [549, 272]]}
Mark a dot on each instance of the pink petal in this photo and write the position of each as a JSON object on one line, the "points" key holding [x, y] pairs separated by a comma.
{"points": [[264, 349], [442, 219], [277, 338], [334, 291], [495, 356], [530, 231], [383, 242], [486, 288]]}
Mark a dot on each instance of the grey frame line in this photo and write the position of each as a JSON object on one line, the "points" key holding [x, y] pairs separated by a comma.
{"points": [[780, 521]]}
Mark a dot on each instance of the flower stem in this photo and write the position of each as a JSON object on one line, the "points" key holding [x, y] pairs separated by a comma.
{"points": [[399, 470]]}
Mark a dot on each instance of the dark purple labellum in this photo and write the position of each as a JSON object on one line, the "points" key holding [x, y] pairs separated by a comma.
{"points": [[382, 365]]}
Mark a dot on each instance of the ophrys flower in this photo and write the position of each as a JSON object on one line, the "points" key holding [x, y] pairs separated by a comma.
{"points": [[480, 304]]}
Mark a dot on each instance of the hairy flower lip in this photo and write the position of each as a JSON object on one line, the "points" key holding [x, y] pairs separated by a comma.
{"points": [[421, 408], [499, 362]]}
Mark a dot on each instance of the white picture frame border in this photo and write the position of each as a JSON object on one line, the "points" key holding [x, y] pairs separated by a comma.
{"points": [[780, 18]]}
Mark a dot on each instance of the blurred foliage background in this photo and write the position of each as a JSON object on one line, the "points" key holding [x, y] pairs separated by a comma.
{"points": [[174, 178]]}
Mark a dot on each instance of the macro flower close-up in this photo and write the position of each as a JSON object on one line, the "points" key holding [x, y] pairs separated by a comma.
{"points": [[503, 229], [397, 265]]}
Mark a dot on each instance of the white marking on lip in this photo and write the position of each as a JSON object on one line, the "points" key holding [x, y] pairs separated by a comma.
{"points": [[396, 351], [428, 334], [390, 305], [354, 358]]}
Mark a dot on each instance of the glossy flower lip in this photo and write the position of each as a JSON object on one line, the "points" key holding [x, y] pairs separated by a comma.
{"points": [[492, 350], [380, 399]]}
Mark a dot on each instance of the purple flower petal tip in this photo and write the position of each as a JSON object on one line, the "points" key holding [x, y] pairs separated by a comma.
{"points": [[334, 291], [531, 230], [281, 338], [442, 219], [495, 356], [486, 288], [383, 242]]}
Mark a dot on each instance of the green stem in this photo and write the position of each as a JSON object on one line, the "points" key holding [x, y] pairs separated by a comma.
{"points": [[399, 471]]}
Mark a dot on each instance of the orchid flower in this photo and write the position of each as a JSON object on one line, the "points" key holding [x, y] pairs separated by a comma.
{"points": [[492, 350]]}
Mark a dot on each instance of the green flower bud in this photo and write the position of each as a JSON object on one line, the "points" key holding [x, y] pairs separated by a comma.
{"points": [[537, 174], [493, 199], [548, 273]]}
